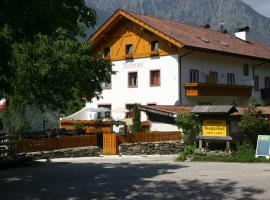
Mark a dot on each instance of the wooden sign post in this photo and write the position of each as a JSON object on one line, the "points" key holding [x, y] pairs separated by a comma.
{"points": [[215, 123]]}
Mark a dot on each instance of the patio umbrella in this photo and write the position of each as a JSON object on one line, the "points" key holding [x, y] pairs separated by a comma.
{"points": [[121, 113], [120, 110]]}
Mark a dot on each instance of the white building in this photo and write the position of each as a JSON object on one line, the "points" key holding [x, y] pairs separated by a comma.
{"points": [[162, 62]]}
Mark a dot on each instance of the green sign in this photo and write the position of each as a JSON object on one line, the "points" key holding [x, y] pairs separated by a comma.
{"points": [[263, 146]]}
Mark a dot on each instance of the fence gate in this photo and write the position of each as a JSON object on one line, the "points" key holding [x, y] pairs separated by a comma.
{"points": [[110, 144]]}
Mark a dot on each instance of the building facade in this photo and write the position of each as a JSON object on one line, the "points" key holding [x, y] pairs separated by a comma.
{"points": [[161, 62]]}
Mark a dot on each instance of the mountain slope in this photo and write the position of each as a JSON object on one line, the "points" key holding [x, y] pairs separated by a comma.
{"points": [[234, 13]]}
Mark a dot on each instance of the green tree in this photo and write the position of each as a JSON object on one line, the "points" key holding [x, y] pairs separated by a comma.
{"points": [[136, 125], [42, 64], [190, 126], [30, 17], [253, 124]]}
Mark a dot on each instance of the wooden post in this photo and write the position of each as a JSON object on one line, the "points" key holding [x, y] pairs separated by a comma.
{"points": [[200, 144]]}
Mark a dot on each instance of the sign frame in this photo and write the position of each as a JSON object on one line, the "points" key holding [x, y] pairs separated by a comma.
{"points": [[258, 150]]}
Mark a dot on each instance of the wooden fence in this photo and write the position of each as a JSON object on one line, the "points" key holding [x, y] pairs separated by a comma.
{"points": [[111, 142], [91, 126], [88, 126], [47, 144]]}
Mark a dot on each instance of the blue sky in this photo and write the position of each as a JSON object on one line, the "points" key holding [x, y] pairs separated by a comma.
{"points": [[261, 6]]}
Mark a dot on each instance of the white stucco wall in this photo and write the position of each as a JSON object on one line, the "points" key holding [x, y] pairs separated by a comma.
{"points": [[157, 126], [167, 93], [120, 94], [206, 62]]}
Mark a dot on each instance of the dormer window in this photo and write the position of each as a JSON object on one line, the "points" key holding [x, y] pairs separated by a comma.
{"points": [[129, 49], [107, 52], [154, 46]]}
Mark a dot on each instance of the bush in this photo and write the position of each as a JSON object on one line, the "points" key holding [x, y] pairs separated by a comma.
{"points": [[253, 124], [190, 126], [188, 150]]}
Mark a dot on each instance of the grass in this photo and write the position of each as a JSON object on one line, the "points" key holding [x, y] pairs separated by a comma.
{"points": [[244, 154]]}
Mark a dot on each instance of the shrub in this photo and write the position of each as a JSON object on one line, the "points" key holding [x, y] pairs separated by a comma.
{"points": [[188, 150], [189, 125], [253, 124]]}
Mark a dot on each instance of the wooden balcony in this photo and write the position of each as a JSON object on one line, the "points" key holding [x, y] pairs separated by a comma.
{"points": [[265, 93], [215, 89]]}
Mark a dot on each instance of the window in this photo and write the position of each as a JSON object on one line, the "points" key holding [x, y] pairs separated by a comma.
{"points": [[256, 83], [129, 49], [230, 79], [106, 114], [155, 78], [132, 79], [246, 70], [154, 46], [129, 107], [107, 106], [214, 76], [194, 76], [106, 85], [267, 82], [107, 52]]}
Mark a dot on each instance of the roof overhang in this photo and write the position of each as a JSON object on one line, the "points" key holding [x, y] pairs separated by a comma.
{"points": [[214, 109], [121, 13]]}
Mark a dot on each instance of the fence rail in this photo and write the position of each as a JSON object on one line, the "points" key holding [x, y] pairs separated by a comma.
{"points": [[149, 137], [47, 144]]}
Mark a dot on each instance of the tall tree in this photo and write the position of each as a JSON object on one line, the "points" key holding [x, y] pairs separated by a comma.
{"points": [[42, 64]]}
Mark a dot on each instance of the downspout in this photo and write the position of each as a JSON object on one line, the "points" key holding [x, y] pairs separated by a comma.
{"points": [[253, 73], [180, 74]]}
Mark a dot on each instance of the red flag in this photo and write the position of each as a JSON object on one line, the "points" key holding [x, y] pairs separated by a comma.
{"points": [[3, 104]]}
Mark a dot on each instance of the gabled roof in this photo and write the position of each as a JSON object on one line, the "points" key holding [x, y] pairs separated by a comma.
{"points": [[184, 35]]}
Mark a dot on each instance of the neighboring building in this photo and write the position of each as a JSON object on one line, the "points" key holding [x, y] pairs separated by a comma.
{"points": [[162, 62]]}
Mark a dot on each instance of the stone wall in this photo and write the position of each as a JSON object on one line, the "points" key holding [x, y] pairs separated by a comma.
{"points": [[148, 148], [91, 151]]}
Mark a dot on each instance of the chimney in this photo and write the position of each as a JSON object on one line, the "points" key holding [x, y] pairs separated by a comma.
{"points": [[241, 33]]}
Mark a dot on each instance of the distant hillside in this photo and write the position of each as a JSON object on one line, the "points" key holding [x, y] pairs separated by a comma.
{"points": [[234, 13]]}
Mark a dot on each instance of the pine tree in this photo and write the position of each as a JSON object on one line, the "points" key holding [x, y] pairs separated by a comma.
{"points": [[136, 126]]}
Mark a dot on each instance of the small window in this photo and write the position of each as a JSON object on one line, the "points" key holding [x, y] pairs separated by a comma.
{"points": [[194, 76], [155, 78], [230, 79], [214, 76], [256, 83], [132, 79], [106, 114], [107, 52], [154, 46], [107, 106], [129, 107], [267, 82], [246, 70], [106, 85], [129, 49]]}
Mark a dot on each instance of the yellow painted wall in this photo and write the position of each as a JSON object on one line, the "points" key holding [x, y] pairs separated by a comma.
{"points": [[126, 32]]}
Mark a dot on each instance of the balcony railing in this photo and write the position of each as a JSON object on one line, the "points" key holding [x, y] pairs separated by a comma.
{"points": [[265, 93], [215, 89]]}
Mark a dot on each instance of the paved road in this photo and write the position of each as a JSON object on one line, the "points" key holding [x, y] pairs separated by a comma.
{"points": [[138, 177]]}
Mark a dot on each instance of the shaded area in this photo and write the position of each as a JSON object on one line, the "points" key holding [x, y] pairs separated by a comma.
{"points": [[113, 181]]}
